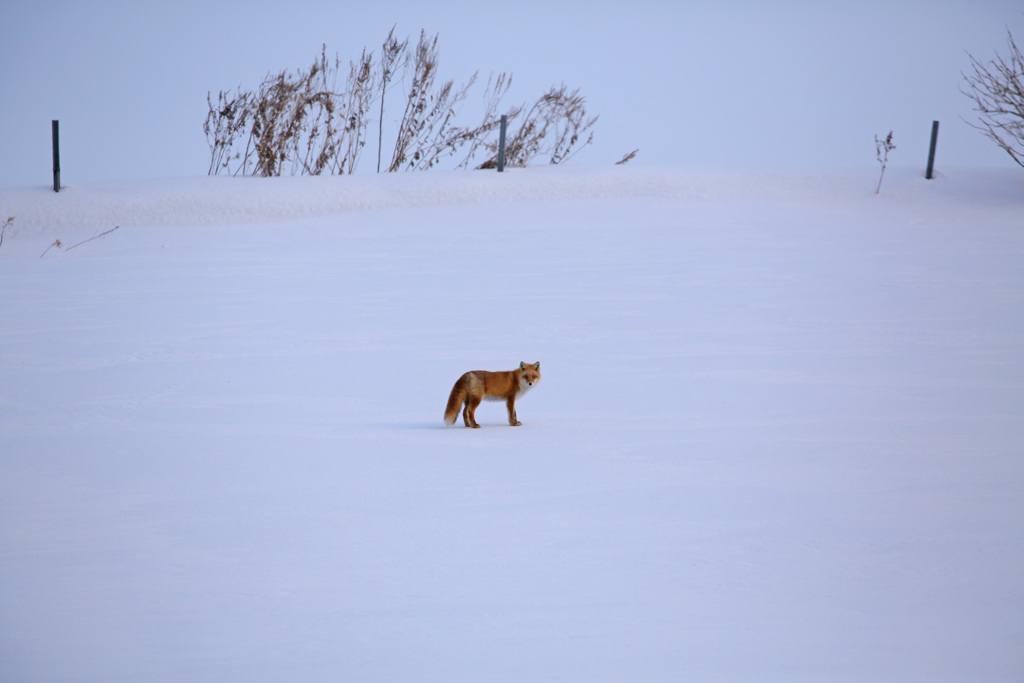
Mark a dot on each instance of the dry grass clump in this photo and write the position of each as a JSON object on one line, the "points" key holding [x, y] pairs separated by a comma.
{"points": [[314, 121], [294, 122], [552, 127]]}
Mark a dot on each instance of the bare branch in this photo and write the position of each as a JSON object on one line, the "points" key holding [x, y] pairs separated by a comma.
{"points": [[997, 89]]}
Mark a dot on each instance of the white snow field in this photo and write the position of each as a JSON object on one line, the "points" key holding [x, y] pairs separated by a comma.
{"points": [[779, 435]]}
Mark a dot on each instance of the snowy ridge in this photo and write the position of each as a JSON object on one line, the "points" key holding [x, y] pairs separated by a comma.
{"points": [[225, 201]]}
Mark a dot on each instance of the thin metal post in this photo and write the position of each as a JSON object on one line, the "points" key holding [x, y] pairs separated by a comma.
{"points": [[56, 155], [501, 144], [931, 150]]}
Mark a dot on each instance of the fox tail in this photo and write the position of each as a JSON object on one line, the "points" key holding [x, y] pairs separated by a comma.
{"points": [[455, 400]]}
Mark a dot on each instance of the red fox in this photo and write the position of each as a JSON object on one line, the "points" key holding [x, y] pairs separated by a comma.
{"points": [[477, 385]]}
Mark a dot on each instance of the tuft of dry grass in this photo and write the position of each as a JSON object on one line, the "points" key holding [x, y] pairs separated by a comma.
{"points": [[295, 122], [308, 122], [554, 127]]}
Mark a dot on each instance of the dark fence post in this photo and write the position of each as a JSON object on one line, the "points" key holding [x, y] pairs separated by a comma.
{"points": [[931, 150], [56, 155], [501, 144]]}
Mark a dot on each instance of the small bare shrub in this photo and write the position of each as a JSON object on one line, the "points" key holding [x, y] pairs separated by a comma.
{"points": [[997, 89], [882, 149]]}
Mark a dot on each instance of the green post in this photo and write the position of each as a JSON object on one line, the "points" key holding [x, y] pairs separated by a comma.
{"points": [[56, 155], [931, 150], [501, 144]]}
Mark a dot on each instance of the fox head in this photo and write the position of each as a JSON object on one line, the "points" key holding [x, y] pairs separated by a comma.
{"points": [[529, 376]]}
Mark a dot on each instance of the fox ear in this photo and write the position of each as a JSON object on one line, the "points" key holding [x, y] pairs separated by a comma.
{"points": [[537, 366], [522, 365]]}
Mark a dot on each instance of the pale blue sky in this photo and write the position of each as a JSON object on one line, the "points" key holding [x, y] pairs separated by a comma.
{"points": [[694, 83]]}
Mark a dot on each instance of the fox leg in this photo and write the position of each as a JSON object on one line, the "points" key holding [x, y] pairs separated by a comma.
{"points": [[511, 403], [469, 414]]}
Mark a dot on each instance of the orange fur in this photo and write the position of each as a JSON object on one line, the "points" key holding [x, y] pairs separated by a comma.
{"points": [[476, 385]]}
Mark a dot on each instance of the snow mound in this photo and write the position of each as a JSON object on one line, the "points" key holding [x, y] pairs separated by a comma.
{"points": [[211, 201]]}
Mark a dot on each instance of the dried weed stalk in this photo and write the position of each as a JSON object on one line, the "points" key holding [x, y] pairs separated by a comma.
{"points": [[882, 149], [94, 237], [10, 219], [394, 57], [56, 243], [626, 158], [60, 245]]}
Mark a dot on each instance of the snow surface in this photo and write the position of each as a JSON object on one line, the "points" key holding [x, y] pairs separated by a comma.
{"points": [[779, 434]]}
